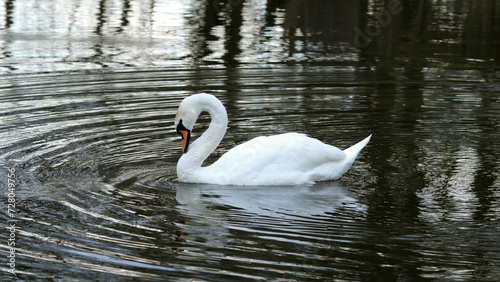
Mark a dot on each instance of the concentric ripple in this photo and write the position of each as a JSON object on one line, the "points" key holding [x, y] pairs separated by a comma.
{"points": [[97, 195], [95, 156]]}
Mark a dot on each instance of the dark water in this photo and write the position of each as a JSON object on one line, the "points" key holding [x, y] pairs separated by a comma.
{"points": [[89, 90]]}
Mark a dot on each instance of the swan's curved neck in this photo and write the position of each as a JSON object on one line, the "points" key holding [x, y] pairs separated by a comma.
{"points": [[202, 147]]}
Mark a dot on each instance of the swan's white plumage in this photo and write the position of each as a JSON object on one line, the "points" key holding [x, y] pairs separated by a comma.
{"points": [[285, 159]]}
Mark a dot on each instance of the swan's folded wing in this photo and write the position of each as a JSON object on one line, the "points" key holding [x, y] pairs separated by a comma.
{"points": [[307, 153], [280, 154]]}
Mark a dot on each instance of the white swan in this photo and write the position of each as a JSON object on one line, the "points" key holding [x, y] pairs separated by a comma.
{"points": [[285, 159]]}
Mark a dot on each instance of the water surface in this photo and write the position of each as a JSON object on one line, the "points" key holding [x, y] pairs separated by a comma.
{"points": [[88, 95]]}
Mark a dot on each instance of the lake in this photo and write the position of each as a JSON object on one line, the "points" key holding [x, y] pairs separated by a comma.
{"points": [[88, 94]]}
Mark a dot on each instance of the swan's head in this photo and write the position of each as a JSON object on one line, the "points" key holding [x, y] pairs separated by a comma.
{"points": [[189, 110], [187, 114], [184, 123]]}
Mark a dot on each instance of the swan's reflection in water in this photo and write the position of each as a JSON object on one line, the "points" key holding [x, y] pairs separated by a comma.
{"points": [[222, 218], [281, 201]]}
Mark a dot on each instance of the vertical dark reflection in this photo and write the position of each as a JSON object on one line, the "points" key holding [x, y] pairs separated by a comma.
{"points": [[98, 46], [234, 20], [411, 179], [320, 25], [416, 17], [124, 21], [397, 100], [294, 12], [202, 22], [315, 28], [481, 34], [6, 53], [206, 16], [101, 17], [481, 30], [271, 7], [487, 171], [9, 8]]}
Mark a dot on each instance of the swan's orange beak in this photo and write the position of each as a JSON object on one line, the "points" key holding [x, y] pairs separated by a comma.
{"points": [[185, 139]]}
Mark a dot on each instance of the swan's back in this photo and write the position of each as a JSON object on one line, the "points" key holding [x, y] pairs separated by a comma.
{"points": [[289, 158]]}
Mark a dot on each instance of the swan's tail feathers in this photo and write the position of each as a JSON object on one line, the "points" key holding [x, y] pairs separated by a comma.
{"points": [[352, 152], [356, 148]]}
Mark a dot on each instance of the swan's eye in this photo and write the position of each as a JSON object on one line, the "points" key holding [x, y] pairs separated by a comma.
{"points": [[180, 127]]}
